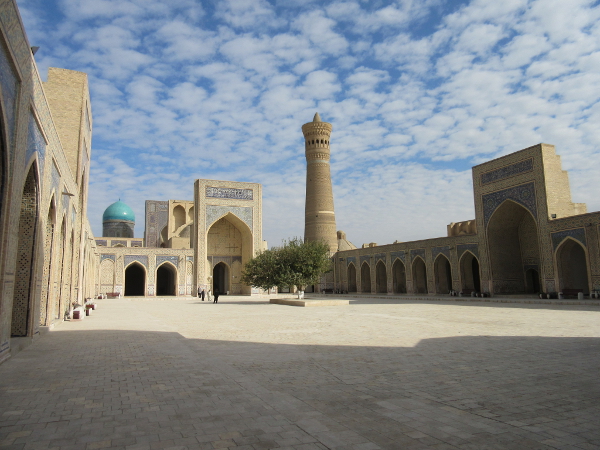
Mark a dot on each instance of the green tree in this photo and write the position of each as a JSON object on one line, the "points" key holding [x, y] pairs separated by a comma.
{"points": [[296, 263]]}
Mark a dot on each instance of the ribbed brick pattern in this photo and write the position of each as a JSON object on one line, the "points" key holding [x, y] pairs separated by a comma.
{"points": [[319, 221]]}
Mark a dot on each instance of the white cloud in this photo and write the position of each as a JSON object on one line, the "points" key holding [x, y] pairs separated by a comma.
{"points": [[179, 92]]}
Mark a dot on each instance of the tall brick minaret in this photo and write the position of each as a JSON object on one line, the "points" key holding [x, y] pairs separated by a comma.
{"points": [[319, 218]]}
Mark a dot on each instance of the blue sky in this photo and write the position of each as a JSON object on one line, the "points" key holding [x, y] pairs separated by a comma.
{"points": [[417, 91]]}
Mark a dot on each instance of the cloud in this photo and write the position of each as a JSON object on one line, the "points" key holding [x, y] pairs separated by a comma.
{"points": [[417, 92]]}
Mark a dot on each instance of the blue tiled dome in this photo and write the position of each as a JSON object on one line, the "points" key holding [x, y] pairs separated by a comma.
{"points": [[118, 211]]}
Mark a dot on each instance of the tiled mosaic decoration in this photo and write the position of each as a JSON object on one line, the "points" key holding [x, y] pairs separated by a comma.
{"points": [[35, 143], [417, 252], [162, 258], [214, 212], [523, 195], [507, 171], [473, 248], [351, 259], [379, 257], [237, 194], [142, 259], [437, 250], [576, 233], [10, 86], [401, 255]]}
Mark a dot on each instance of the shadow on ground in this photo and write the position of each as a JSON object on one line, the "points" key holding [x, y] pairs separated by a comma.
{"points": [[127, 389]]}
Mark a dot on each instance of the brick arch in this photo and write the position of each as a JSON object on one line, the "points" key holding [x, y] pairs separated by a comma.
{"points": [[166, 276], [399, 276], [572, 265], [419, 275], [365, 278], [22, 321], [442, 274], [351, 272], [512, 236], [470, 272]]}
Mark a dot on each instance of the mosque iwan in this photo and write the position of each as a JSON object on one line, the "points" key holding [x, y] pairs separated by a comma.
{"points": [[527, 236]]}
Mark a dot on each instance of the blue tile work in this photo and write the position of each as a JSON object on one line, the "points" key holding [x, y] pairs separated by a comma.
{"points": [[101, 242], [136, 243], [236, 194], [576, 233], [535, 267], [401, 255], [437, 250], [103, 257], [190, 258], [142, 259], [523, 195], [364, 258], [56, 178], [35, 143], [162, 258], [213, 212], [417, 252], [156, 218], [351, 259], [508, 171], [473, 248], [117, 242], [10, 88], [379, 257]]}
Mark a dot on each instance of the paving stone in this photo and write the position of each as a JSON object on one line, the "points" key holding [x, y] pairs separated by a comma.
{"points": [[377, 374]]}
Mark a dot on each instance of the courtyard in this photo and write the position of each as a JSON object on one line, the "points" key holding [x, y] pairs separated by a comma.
{"points": [[244, 374]]}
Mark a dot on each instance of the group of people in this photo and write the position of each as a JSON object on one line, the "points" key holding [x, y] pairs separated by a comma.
{"points": [[208, 294]]}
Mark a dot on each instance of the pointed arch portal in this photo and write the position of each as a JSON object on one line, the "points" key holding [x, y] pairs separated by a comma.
{"points": [[514, 249], [469, 273], [166, 280], [365, 278], [572, 266], [135, 280], [442, 272], [399, 277], [419, 276], [351, 278], [380, 278], [221, 278]]}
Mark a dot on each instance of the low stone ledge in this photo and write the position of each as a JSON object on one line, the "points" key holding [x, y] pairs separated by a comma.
{"points": [[308, 302]]}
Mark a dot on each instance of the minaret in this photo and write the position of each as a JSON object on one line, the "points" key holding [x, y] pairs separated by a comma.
{"points": [[319, 217]]}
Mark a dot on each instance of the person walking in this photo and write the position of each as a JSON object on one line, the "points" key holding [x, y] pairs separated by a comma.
{"points": [[216, 296], [208, 295], [202, 294]]}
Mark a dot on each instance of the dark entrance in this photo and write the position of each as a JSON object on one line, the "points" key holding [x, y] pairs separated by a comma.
{"points": [[532, 280], [419, 276], [572, 266], [513, 245], [221, 278], [399, 277], [365, 278], [351, 278], [443, 275], [165, 280], [135, 280]]}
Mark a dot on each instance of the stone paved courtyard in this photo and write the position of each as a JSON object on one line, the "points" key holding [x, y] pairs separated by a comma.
{"points": [[247, 375]]}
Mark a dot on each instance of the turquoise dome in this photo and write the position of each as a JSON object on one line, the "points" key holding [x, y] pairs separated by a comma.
{"points": [[118, 211]]}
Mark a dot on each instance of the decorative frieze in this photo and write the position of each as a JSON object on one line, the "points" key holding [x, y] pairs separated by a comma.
{"points": [[507, 171], [230, 193]]}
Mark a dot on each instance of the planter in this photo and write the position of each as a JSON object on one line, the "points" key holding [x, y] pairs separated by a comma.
{"points": [[76, 314]]}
